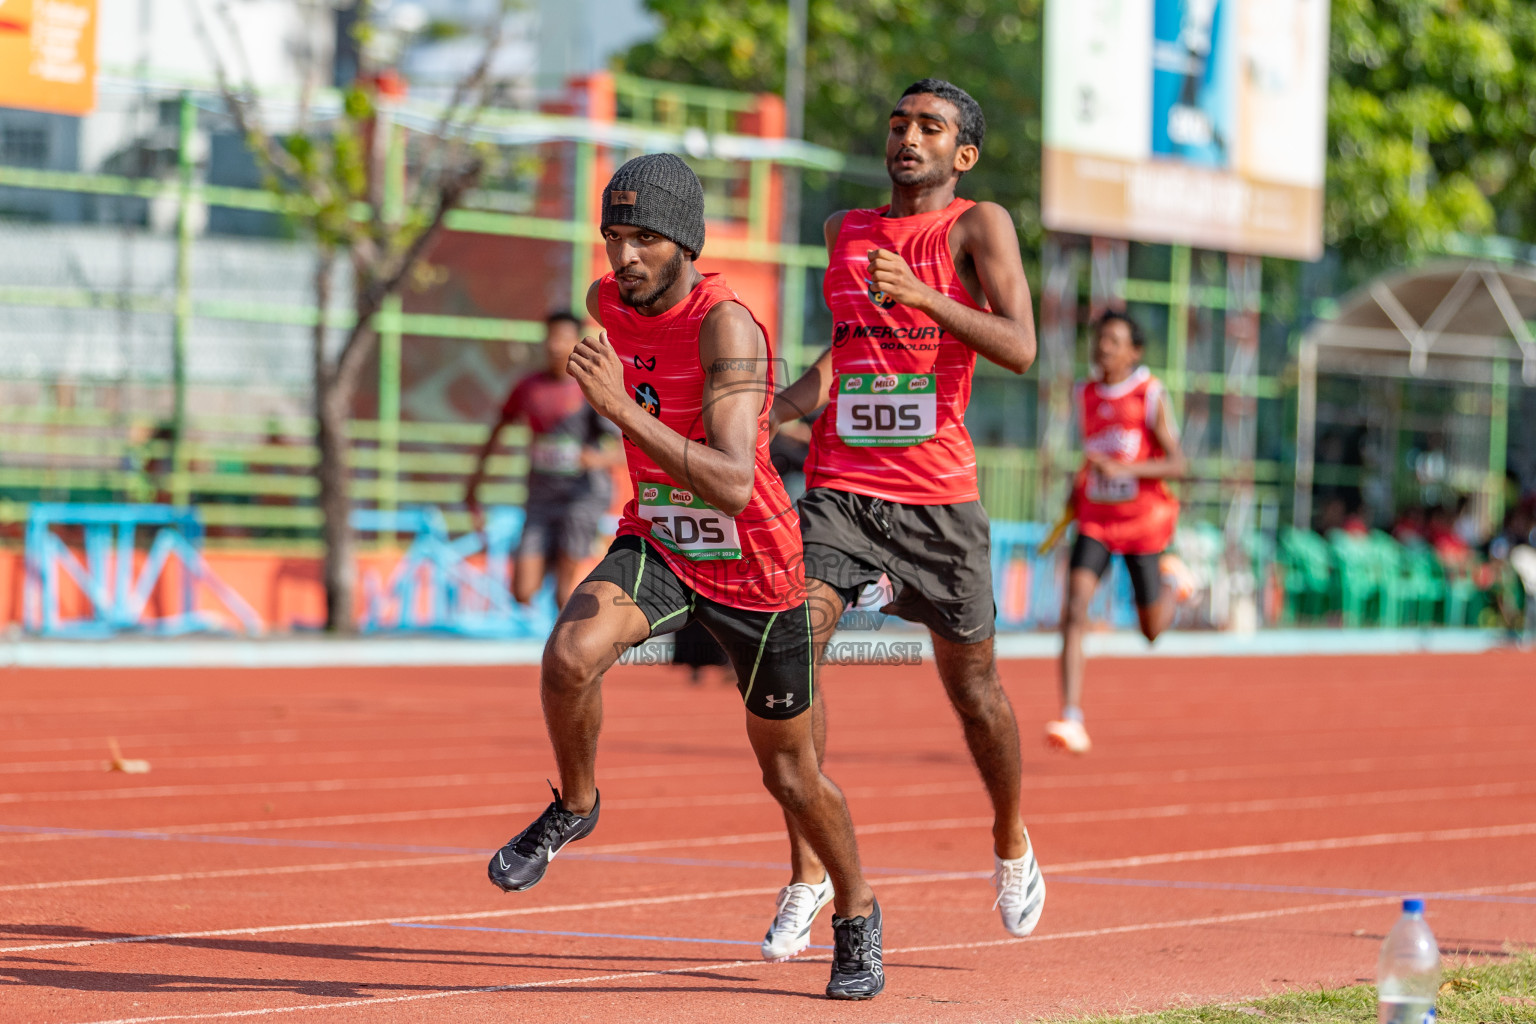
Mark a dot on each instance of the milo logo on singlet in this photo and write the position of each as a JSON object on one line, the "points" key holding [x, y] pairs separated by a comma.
{"points": [[887, 409], [687, 524]]}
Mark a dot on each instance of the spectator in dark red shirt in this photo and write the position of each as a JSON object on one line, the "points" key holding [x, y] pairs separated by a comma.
{"points": [[570, 453]]}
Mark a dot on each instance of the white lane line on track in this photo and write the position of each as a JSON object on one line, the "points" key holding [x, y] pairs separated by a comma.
{"points": [[1379, 798], [371, 756], [1126, 814], [474, 915], [1184, 856], [1193, 922], [1446, 835], [1179, 857], [290, 869]]}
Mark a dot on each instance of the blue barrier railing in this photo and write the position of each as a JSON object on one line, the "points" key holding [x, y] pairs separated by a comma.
{"points": [[452, 585], [1028, 586], [119, 587], [456, 585]]}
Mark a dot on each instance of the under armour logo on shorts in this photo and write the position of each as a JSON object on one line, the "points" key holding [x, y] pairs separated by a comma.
{"points": [[774, 702]]}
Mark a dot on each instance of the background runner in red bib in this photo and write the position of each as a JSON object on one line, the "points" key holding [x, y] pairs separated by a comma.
{"points": [[1122, 504]]}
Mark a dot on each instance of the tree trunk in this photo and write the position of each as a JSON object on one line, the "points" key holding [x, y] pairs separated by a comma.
{"points": [[332, 406]]}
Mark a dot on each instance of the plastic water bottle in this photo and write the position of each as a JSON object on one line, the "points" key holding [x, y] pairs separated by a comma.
{"points": [[1408, 972]]}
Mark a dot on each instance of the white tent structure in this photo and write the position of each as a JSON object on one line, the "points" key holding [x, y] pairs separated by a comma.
{"points": [[1460, 321]]}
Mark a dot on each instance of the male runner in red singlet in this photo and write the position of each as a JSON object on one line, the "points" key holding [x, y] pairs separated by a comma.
{"points": [[891, 516], [1123, 507], [570, 450], [684, 369]]}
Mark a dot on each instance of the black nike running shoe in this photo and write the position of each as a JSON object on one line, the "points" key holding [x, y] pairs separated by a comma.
{"points": [[858, 971], [522, 862]]}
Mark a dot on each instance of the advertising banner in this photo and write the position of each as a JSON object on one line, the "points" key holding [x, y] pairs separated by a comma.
{"points": [[1200, 122], [48, 55]]}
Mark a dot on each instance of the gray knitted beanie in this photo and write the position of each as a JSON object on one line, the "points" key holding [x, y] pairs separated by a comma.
{"points": [[660, 193]]}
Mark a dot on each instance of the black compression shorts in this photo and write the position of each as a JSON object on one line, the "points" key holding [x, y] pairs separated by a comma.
{"points": [[771, 651], [1146, 577]]}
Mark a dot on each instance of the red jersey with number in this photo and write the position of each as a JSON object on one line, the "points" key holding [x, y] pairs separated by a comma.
{"points": [[1129, 516], [753, 560], [894, 427]]}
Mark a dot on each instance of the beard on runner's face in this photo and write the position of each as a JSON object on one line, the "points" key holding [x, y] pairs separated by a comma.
{"points": [[665, 277], [909, 167]]}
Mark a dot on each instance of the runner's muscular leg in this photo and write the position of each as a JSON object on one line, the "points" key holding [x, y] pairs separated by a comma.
{"points": [[1157, 616], [568, 572], [598, 623], [969, 674], [812, 804], [826, 608], [527, 577], [1074, 624]]}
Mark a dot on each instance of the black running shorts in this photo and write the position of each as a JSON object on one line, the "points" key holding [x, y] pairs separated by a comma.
{"points": [[1146, 576], [771, 651], [568, 529], [937, 558]]}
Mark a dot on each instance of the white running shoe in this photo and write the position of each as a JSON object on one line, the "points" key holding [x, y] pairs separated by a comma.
{"points": [[1068, 734], [1020, 891], [1178, 577], [798, 906]]}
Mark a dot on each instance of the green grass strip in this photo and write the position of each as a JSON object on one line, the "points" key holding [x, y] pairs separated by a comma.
{"points": [[1497, 991]]}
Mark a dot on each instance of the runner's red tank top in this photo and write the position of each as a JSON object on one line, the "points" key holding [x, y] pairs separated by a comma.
{"points": [[1128, 516], [895, 425], [754, 561]]}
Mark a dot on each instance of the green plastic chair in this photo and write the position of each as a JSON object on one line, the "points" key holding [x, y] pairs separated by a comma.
{"points": [[1357, 578], [1464, 602], [1307, 570], [1386, 555], [1423, 584]]}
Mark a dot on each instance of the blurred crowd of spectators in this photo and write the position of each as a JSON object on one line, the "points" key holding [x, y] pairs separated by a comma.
{"points": [[1501, 564]]}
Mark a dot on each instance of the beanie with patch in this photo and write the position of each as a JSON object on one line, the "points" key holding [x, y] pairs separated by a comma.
{"points": [[660, 193]]}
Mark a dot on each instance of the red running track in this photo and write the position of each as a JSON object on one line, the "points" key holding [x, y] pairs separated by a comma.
{"points": [[310, 845]]}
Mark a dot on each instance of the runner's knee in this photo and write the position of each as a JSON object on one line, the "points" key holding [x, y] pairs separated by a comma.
{"points": [[1075, 611], [573, 659], [790, 779]]}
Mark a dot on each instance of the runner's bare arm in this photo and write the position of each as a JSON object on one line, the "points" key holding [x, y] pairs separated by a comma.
{"points": [[1171, 466], [811, 393], [735, 360], [989, 246], [594, 307], [806, 396], [504, 416]]}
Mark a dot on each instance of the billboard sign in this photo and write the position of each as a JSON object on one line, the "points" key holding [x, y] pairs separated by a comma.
{"points": [[48, 55], [1201, 122]]}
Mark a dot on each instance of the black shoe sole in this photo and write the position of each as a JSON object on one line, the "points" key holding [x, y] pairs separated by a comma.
{"points": [[515, 888], [490, 868], [856, 997]]}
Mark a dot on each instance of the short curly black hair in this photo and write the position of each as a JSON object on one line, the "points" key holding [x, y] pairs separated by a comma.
{"points": [[973, 126], [1138, 337]]}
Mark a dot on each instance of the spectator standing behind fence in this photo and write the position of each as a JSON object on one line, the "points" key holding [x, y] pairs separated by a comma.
{"points": [[571, 452]]}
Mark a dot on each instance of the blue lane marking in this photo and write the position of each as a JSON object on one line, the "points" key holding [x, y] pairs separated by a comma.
{"points": [[333, 844], [580, 935], [698, 862]]}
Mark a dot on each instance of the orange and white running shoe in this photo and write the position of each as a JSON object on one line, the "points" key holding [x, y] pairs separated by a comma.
{"points": [[1068, 734], [1178, 577]]}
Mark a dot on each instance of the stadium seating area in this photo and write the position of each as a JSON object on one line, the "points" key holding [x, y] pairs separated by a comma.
{"points": [[1371, 579]]}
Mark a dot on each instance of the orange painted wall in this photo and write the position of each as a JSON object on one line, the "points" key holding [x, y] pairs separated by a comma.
{"points": [[284, 590]]}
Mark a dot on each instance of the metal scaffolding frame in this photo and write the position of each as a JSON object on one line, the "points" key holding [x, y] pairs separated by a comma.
{"points": [[1457, 321]]}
